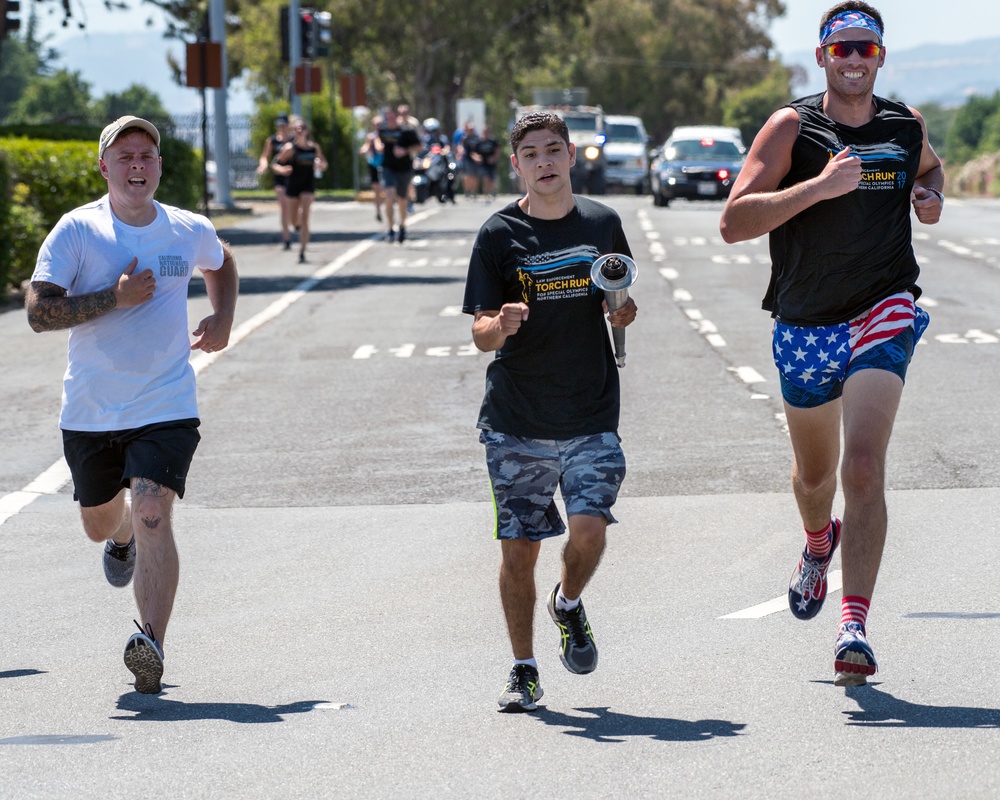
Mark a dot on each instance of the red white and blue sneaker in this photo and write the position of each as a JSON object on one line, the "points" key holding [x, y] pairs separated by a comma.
{"points": [[807, 588], [853, 659]]}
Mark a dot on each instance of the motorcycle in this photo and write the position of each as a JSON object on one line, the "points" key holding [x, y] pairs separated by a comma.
{"points": [[435, 175]]}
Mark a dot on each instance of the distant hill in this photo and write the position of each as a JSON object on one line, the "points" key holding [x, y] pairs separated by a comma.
{"points": [[936, 73]]}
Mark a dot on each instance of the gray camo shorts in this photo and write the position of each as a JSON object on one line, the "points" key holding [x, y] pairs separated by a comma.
{"points": [[588, 471]]}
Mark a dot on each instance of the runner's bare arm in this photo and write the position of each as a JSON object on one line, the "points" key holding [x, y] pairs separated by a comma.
{"points": [[50, 309], [756, 206], [491, 328]]}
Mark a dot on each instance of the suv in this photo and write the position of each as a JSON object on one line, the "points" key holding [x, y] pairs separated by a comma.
{"points": [[586, 131], [697, 162], [626, 151]]}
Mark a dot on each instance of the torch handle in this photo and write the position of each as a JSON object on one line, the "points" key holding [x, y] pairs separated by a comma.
{"points": [[615, 300]]}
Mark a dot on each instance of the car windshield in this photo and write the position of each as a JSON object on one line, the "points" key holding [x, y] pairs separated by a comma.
{"points": [[709, 149], [580, 123], [624, 133]]}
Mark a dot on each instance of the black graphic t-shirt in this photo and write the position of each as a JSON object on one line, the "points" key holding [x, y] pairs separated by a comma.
{"points": [[405, 138], [841, 256], [487, 148], [556, 377]]}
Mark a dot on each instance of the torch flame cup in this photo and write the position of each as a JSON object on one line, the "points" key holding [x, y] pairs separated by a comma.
{"points": [[613, 274]]}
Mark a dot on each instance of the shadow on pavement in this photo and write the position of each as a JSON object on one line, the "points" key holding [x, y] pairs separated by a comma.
{"points": [[610, 726], [880, 709], [279, 284], [242, 237], [20, 673], [153, 708], [58, 738]]}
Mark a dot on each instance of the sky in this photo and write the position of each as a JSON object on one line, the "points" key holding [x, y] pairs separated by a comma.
{"points": [[909, 24]]}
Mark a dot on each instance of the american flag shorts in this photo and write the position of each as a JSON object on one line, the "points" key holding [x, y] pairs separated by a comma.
{"points": [[814, 362]]}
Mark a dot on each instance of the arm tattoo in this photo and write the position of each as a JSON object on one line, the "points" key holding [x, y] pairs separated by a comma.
{"points": [[49, 309]]}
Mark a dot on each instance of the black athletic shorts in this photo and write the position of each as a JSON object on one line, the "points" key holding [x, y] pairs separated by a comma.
{"points": [[104, 462]]}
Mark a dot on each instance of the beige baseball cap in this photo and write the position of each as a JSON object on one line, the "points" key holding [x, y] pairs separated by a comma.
{"points": [[110, 133]]}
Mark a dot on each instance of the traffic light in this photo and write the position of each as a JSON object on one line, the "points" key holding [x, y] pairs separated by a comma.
{"points": [[11, 22], [324, 37], [308, 28], [314, 29], [283, 25]]}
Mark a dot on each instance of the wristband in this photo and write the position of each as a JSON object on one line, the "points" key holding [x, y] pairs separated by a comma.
{"points": [[938, 192]]}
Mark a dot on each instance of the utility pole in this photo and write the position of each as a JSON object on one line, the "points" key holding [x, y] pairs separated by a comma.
{"points": [[217, 29], [294, 50]]}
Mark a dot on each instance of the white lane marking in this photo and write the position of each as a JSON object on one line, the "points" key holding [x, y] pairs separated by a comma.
{"points": [[957, 249], [682, 295], [669, 273], [716, 340], [365, 351], [451, 311], [16, 502], [748, 374], [834, 582], [403, 351], [49, 482]]}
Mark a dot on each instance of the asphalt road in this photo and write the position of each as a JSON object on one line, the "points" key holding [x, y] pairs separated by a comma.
{"points": [[338, 633]]}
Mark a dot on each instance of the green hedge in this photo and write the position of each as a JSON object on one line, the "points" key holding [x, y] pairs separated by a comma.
{"points": [[42, 179], [6, 234]]}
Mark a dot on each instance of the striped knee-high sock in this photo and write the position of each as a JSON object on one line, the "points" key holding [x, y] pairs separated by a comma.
{"points": [[818, 544], [854, 608]]}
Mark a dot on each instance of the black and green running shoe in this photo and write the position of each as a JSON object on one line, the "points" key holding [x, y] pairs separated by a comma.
{"points": [[522, 690], [577, 650]]}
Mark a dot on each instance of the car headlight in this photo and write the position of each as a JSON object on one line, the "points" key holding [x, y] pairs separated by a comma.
{"points": [[591, 153]]}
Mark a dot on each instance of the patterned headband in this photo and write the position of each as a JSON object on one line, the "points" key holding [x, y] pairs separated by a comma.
{"points": [[850, 19]]}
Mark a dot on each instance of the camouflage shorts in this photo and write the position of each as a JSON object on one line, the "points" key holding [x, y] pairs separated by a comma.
{"points": [[588, 470]]}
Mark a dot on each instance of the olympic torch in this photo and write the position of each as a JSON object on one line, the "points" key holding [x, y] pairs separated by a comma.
{"points": [[613, 274]]}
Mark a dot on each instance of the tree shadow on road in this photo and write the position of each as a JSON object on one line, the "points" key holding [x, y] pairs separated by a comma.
{"points": [[153, 708], [241, 237], [880, 709], [610, 726], [279, 284]]}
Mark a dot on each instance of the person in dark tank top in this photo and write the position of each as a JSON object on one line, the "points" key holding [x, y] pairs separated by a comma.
{"points": [[304, 161], [832, 178]]}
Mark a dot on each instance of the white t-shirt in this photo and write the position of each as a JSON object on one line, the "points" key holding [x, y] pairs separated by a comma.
{"points": [[130, 367]]}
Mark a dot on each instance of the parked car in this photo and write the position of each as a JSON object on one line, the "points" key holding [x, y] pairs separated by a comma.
{"points": [[626, 151], [697, 163]]}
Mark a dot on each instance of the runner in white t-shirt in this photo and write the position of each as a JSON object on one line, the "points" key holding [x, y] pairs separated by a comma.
{"points": [[115, 272]]}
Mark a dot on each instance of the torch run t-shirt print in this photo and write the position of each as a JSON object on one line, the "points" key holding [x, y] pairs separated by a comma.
{"points": [[563, 349]]}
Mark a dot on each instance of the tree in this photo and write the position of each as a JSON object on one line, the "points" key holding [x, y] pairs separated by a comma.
{"points": [[749, 108], [136, 100], [966, 133], [938, 120], [673, 61], [24, 58], [61, 97]]}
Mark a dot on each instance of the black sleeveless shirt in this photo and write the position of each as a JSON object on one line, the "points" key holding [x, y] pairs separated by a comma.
{"points": [[838, 258]]}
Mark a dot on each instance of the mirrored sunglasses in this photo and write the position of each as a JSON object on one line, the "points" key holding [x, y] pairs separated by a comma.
{"points": [[844, 49]]}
